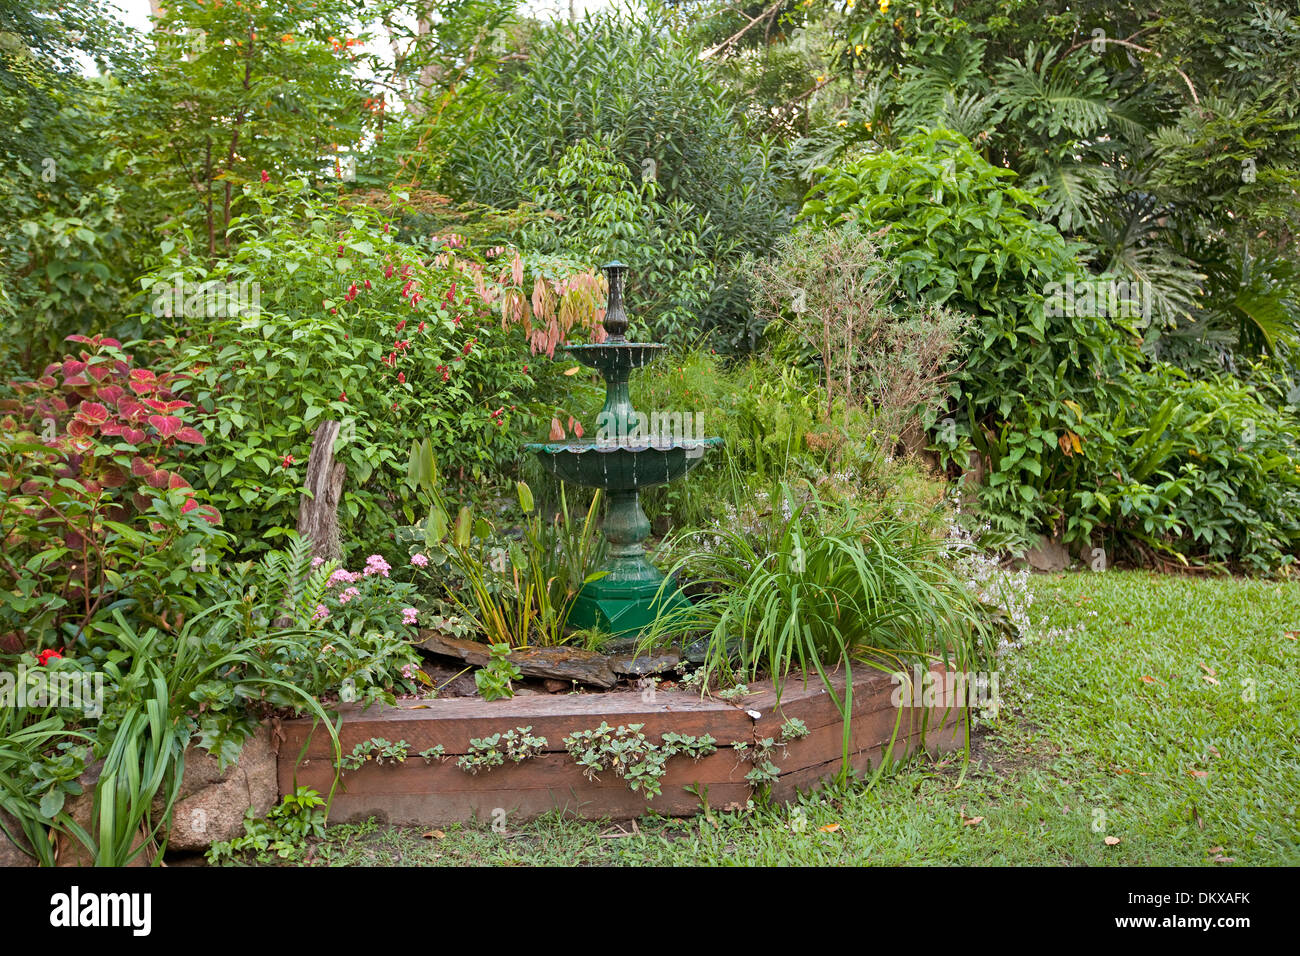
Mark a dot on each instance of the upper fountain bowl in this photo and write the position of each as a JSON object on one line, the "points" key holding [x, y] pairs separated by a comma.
{"points": [[616, 357]]}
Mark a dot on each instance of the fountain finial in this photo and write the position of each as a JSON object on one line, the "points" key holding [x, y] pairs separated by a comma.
{"points": [[615, 316]]}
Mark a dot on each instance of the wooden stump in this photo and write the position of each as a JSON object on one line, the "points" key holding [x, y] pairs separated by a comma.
{"points": [[318, 514]]}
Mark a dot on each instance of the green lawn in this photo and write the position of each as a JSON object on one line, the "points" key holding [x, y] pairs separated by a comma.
{"points": [[1168, 721]]}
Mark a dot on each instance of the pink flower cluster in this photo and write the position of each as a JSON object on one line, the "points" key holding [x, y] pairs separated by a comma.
{"points": [[376, 565], [409, 615], [322, 612], [347, 594], [342, 576], [419, 560]]}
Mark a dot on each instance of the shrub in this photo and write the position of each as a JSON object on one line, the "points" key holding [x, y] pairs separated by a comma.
{"points": [[829, 290], [1199, 470], [94, 512], [356, 327], [596, 213], [958, 232]]}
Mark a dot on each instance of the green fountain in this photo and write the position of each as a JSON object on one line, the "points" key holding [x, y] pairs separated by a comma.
{"points": [[630, 451]]}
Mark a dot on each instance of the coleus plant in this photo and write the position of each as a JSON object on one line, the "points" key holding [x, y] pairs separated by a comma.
{"points": [[106, 422], [93, 508]]}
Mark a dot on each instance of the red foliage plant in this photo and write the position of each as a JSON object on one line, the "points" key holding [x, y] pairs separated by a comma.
{"points": [[104, 422], [92, 441]]}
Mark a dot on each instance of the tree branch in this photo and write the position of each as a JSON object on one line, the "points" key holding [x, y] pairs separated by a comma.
{"points": [[1142, 49]]}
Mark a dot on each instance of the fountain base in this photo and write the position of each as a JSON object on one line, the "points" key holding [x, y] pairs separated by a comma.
{"points": [[628, 599]]}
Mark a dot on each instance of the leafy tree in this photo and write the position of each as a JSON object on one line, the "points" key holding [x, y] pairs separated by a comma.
{"points": [[1166, 139], [232, 92], [596, 212], [640, 89], [63, 222]]}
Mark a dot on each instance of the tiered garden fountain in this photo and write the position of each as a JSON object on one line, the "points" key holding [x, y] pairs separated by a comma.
{"points": [[627, 454]]}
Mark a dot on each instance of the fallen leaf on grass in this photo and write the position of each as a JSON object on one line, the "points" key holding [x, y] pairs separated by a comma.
{"points": [[1210, 670], [1291, 635], [433, 835], [829, 828], [972, 821], [1199, 773], [1111, 841], [1148, 679], [1215, 750], [1223, 859]]}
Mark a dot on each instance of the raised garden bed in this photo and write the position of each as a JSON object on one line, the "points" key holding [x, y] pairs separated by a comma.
{"points": [[436, 791]]}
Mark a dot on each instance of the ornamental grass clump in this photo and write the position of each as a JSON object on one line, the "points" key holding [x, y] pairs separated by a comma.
{"points": [[834, 587]]}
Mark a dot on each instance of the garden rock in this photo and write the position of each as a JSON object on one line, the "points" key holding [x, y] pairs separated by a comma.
{"points": [[213, 802], [1049, 555], [629, 665], [10, 853], [68, 850], [559, 663]]}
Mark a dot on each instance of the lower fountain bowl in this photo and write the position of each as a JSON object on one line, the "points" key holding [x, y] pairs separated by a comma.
{"points": [[593, 463]]}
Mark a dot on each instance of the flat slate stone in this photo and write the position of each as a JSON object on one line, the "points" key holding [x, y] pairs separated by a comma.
{"points": [[696, 650], [560, 663], [656, 663], [620, 646]]}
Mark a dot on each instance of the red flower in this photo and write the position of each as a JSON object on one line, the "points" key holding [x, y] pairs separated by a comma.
{"points": [[388, 272], [265, 177], [351, 293], [343, 396], [286, 461], [367, 283], [340, 251], [47, 655], [401, 377], [421, 328], [400, 325]]}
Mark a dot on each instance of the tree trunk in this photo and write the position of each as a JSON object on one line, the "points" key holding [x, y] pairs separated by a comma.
{"points": [[318, 513]]}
